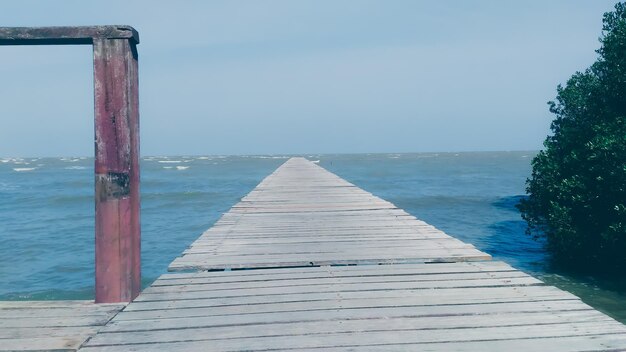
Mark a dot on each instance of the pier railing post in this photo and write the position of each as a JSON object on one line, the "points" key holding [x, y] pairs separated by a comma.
{"points": [[118, 263], [118, 230]]}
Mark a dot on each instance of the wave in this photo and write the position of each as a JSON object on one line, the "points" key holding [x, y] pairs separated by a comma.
{"points": [[270, 157], [22, 169], [7, 187], [12, 160], [437, 201], [170, 161], [72, 200], [509, 202], [182, 167]]}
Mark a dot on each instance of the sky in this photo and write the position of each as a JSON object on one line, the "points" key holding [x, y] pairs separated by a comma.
{"points": [[292, 77]]}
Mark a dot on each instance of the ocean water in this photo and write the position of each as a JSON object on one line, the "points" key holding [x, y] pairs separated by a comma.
{"points": [[47, 209]]}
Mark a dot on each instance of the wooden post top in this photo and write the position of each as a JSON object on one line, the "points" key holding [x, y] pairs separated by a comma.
{"points": [[65, 35]]}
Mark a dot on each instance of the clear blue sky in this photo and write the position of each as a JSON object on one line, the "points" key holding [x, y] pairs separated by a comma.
{"points": [[258, 77]]}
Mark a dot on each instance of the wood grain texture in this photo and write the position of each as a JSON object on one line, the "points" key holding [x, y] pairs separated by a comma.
{"points": [[116, 89], [474, 305], [51, 325], [292, 233], [63, 35], [117, 223], [303, 215]]}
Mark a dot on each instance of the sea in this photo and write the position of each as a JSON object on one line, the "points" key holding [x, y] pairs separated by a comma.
{"points": [[47, 213]]}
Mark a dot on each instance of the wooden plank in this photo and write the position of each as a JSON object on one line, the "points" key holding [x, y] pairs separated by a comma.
{"points": [[476, 294], [464, 280], [61, 332], [386, 276], [64, 35], [34, 322], [51, 325], [608, 342], [454, 267], [321, 247], [206, 262], [13, 313], [404, 305], [56, 344]]}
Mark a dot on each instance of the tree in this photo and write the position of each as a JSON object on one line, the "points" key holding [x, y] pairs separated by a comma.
{"points": [[577, 190]]}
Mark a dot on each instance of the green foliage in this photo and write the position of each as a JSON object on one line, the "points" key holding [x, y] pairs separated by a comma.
{"points": [[577, 191]]}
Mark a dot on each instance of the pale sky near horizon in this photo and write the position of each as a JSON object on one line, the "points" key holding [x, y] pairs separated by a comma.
{"points": [[290, 77]]}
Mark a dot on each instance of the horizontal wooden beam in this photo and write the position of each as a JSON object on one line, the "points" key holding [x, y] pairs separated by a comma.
{"points": [[65, 35]]}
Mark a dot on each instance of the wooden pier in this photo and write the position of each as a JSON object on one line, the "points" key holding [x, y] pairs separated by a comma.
{"points": [[309, 262]]}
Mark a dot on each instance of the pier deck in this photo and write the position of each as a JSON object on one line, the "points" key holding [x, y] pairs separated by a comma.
{"points": [[327, 266], [303, 215], [312, 242]]}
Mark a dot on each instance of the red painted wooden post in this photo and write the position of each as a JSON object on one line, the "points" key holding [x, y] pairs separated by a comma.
{"points": [[118, 231], [118, 263]]}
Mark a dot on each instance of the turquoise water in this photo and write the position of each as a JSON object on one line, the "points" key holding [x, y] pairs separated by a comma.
{"points": [[46, 213]]}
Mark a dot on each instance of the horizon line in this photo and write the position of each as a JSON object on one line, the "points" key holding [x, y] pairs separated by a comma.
{"points": [[284, 154]]}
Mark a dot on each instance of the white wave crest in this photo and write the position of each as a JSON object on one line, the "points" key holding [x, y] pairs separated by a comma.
{"points": [[22, 169]]}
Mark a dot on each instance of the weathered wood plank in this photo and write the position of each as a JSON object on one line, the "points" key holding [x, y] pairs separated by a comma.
{"points": [[271, 262], [64, 35], [476, 293], [337, 277], [440, 268], [51, 325], [428, 306], [414, 282]]}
